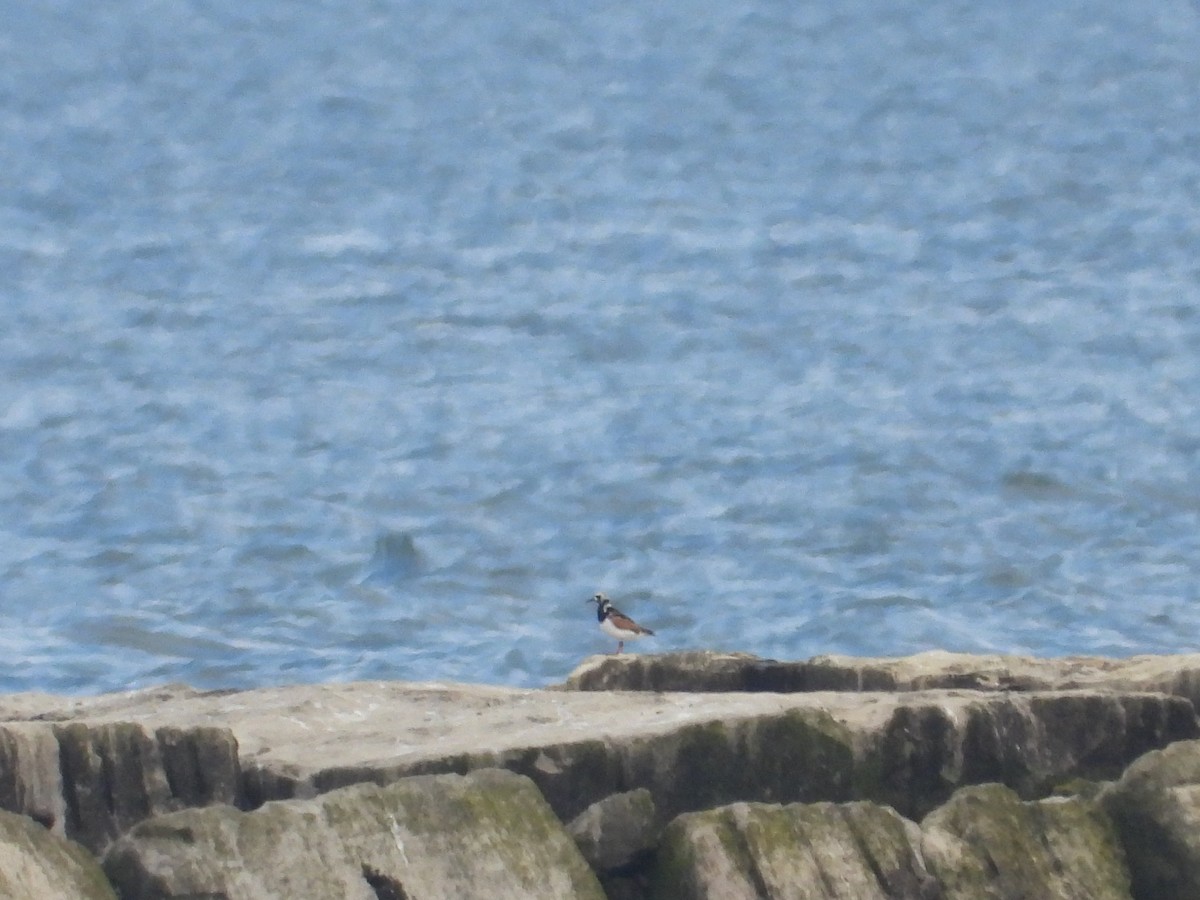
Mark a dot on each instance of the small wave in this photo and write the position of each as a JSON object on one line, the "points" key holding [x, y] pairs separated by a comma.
{"points": [[888, 602], [1036, 485], [396, 558]]}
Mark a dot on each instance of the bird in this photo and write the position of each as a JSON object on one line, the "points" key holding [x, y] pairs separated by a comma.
{"points": [[615, 623]]}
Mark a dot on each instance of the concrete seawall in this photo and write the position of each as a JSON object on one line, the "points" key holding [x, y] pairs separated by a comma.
{"points": [[680, 775]]}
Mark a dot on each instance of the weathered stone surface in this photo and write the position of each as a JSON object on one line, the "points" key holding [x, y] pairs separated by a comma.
{"points": [[1030, 742], [988, 844], [696, 670], [92, 781], [613, 833], [488, 835], [786, 755], [36, 706], [116, 774], [112, 778], [822, 851], [617, 836], [201, 765], [96, 767], [691, 751], [936, 669], [688, 750], [30, 783], [38, 865], [1156, 808]]}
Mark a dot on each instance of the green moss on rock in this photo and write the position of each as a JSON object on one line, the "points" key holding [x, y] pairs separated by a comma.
{"points": [[755, 850], [1156, 808], [796, 755], [988, 843], [487, 834], [804, 755], [36, 863]]}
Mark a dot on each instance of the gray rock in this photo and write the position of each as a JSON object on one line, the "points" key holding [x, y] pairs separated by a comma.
{"points": [[1030, 742], [36, 706], [613, 833], [785, 755], [822, 851], [908, 750], [1156, 808], [707, 671], [933, 670], [988, 844], [38, 865], [691, 751], [112, 778], [92, 781], [695, 670], [30, 783], [201, 764], [117, 774], [488, 834]]}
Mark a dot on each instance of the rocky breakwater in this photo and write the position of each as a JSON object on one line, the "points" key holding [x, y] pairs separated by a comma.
{"points": [[682, 775]]}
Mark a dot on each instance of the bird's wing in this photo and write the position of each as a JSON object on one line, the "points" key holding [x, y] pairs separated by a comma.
{"points": [[622, 621]]}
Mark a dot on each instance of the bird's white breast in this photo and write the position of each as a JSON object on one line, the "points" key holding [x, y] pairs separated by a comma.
{"points": [[610, 629]]}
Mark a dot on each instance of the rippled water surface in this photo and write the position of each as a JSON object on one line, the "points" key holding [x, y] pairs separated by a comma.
{"points": [[369, 340]]}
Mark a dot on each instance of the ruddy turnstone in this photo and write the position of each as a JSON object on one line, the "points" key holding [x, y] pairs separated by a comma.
{"points": [[615, 623]]}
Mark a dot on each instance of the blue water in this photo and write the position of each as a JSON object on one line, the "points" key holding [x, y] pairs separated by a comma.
{"points": [[368, 340]]}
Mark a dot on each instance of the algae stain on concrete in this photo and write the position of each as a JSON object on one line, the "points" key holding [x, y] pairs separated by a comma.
{"points": [[706, 761], [500, 816], [986, 839], [797, 755], [698, 849], [803, 755], [571, 776], [675, 859], [515, 828]]}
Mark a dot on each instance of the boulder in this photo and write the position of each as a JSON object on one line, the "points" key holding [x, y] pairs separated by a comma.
{"points": [[116, 774], [488, 834], [30, 782], [694, 671], [122, 759], [932, 670], [933, 744], [127, 757], [615, 833], [821, 851], [38, 865], [617, 836], [988, 844], [1156, 808], [112, 778], [201, 764], [686, 764]]}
